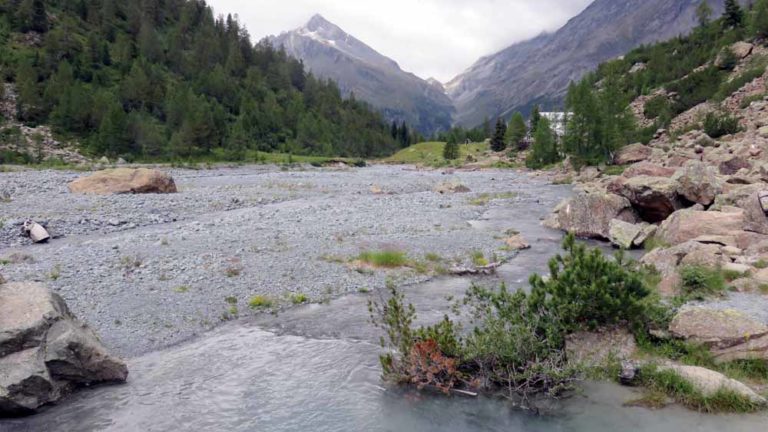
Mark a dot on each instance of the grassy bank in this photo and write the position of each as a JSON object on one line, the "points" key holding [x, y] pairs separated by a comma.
{"points": [[431, 153]]}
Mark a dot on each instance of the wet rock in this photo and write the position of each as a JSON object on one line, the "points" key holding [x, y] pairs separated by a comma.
{"points": [[685, 225], [709, 382], [654, 198], [44, 352], [124, 181], [589, 215], [633, 153], [698, 183]]}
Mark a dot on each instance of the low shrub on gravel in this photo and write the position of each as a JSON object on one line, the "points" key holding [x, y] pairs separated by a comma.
{"points": [[260, 302], [384, 258], [517, 344]]}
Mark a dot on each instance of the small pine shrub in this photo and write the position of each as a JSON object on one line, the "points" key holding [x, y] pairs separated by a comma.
{"points": [[700, 282], [718, 125]]}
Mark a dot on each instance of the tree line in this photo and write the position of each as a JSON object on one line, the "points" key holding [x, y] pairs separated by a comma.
{"points": [[159, 79]]}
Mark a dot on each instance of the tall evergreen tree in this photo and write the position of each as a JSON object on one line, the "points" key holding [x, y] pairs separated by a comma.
{"points": [[734, 14], [516, 131], [498, 141], [544, 150], [758, 23], [704, 13], [451, 149], [535, 118]]}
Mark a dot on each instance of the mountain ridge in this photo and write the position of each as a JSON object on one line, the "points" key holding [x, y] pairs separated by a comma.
{"points": [[330, 52], [539, 70]]}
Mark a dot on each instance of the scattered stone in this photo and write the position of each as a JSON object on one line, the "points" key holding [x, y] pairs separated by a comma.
{"points": [[44, 352], [629, 373], [124, 181], [36, 232]]}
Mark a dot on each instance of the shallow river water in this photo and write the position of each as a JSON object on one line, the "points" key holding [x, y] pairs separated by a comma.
{"points": [[315, 368]]}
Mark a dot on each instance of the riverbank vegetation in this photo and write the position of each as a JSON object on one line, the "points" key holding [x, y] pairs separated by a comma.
{"points": [[514, 343]]}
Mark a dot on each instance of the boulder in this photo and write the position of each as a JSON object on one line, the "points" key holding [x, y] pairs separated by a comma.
{"points": [[734, 165], [124, 181], [589, 215], [708, 255], [742, 49], [596, 348], [633, 153], [709, 383], [729, 334], [627, 235], [45, 353], [755, 219], [698, 183], [654, 198], [685, 225], [648, 169]]}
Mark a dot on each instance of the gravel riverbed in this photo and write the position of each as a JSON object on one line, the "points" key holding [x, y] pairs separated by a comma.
{"points": [[149, 271]]}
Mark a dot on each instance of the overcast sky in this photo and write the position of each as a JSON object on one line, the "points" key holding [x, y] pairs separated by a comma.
{"points": [[431, 38]]}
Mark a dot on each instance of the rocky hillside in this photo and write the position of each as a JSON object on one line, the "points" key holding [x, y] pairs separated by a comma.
{"points": [[329, 52], [539, 70]]}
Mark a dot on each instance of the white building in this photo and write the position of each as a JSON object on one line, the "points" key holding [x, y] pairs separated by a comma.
{"points": [[559, 121]]}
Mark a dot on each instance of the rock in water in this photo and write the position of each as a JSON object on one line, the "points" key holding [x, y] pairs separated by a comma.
{"points": [[45, 353], [124, 181]]}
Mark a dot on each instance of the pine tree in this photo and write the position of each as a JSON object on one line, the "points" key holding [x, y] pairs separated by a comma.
{"points": [[704, 13], [734, 15], [758, 24], [451, 149], [31, 16], [535, 119], [498, 142], [516, 131]]}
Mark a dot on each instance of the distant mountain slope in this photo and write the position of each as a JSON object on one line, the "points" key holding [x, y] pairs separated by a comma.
{"points": [[329, 52], [539, 70]]}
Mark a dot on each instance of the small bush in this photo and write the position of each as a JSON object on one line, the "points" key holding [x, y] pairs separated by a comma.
{"points": [[260, 302], [718, 125], [657, 106], [479, 259], [700, 282], [384, 258], [299, 298]]}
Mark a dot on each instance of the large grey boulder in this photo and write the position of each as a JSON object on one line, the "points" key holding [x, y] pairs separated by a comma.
{"points": [[709, 383], [633, 153], [628, 236], [685, 225], [698, 183], [654, 198], [729, 334], [45, 353], [589, 215]]}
